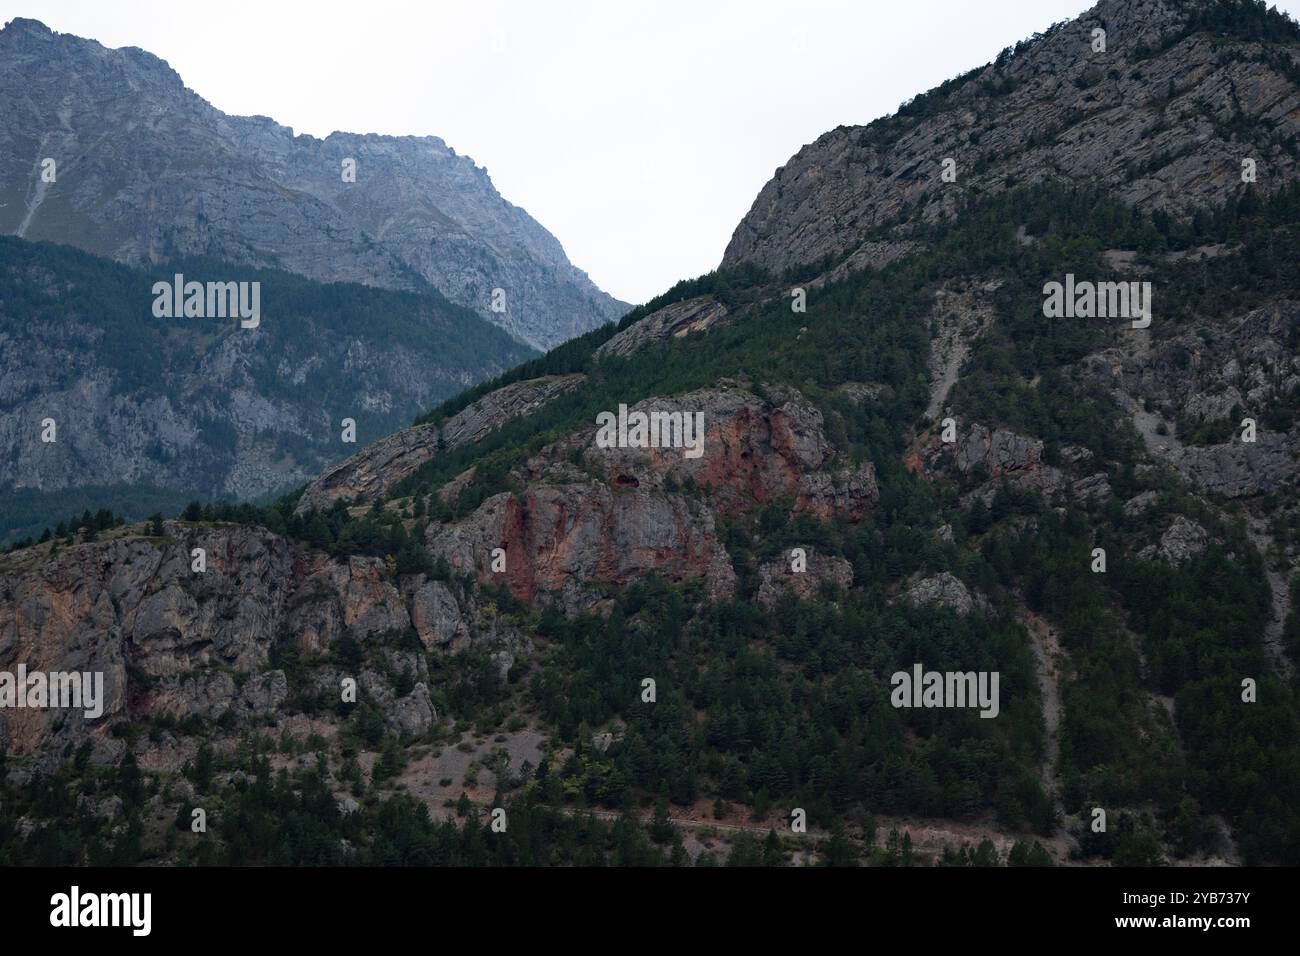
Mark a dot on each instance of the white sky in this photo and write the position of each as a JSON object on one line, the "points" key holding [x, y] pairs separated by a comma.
{"points": [[638, 133]]}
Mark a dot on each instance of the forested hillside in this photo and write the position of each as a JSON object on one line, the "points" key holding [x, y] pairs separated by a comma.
{"points": [[150, 411]]}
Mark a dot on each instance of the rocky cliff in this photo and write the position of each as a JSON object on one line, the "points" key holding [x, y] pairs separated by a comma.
{"points": [[376, 468], [173, 642], [1163, 117]]}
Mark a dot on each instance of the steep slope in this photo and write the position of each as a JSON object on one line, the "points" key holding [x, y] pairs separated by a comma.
{"points": [[376, 468], [1162, 118], [146, 170]]}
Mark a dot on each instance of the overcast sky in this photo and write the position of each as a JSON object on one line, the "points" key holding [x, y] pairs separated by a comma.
{"points": [[638, 133]]}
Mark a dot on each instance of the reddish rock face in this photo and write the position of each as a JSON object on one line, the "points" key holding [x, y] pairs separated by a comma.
{"points": [[134, 604], [332, 599], [167, 639], [759, 454], [567, 531], [756, 450], [562, 539]]}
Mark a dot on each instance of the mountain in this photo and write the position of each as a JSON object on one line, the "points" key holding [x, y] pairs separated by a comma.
{"points": [[1162, 119], [146, 170], [151, 412], [926, 467]]}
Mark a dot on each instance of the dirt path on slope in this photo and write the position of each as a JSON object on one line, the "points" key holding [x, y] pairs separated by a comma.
{"points": [[929, 836], [960, 319], [946, 359], [35, 193], [1049, 658]]}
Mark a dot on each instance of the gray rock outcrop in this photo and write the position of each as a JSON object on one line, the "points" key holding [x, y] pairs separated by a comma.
{"points": [[942, 590], [380, 465], [674, 321], [1152, 127]]}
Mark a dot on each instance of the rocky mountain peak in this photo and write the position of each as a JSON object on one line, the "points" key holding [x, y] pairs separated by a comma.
{"points": [[148, 170], [25, 29]]}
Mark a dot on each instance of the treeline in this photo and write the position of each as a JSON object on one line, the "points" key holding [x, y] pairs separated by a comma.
{"points": [[27, 512], [266, 817], [1241, 20], [87, 526]]}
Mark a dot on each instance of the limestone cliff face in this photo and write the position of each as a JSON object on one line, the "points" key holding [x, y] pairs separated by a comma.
{"points": [[1163, 118], [675, 321], [148, 170], [173, 642], [824, 574], [982, 458], [133, 606], [1221, 373]]}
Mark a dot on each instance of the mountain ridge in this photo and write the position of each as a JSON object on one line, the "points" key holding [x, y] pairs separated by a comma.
{"points": [[1155, 116], [149, 169]]}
